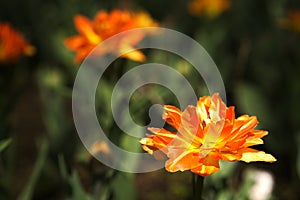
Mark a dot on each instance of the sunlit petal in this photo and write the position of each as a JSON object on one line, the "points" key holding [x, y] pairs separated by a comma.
{"points": [[257, 156]]}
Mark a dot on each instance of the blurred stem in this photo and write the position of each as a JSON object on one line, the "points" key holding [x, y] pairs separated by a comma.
{"points": [[242, 58], [197, 186], [29, 188]]}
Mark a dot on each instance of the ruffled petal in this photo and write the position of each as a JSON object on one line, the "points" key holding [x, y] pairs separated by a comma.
{"points": [[172, 116], [181, 159], [202, 110], [230, 156], [189, 128], [242, 127], [212, 132], [207, 167], [148, 146], [217, 109], [230, 114], [162, 138], [252, 155]]}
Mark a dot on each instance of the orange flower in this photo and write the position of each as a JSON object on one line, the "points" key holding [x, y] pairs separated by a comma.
{"points": [[12, 44], [105, 25], [206, 133], [292, 22], [210, 8]]}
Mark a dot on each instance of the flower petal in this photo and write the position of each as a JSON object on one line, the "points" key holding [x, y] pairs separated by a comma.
{"points": [[253, 141], [189, 127], [230, 156], [75, 42], [208, 167], [252, 155], [230, 114], [202, 109], [160, 140], [217, 110], [242, 127], [212, 132], [84, 27], [172, 115], [181, 159], [135, 55]]}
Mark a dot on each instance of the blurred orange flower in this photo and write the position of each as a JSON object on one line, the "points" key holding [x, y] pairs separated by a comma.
{"points": [[206, 133], [292, 21], [210, 8], [105, 25], [12, 44]]}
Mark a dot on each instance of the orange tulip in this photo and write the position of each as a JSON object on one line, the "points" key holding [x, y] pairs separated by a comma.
{"points": [[12, 44], [210, 8], [205, 134], [105, 25]]}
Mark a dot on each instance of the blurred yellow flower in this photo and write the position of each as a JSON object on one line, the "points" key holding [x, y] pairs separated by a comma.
{"points": [[206, 133], [12, 44], [210, 8], [100, 147], [292, 21], [105, 25]]}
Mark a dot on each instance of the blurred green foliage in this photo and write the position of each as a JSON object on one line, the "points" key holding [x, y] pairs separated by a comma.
{"points": [[41, 156]]}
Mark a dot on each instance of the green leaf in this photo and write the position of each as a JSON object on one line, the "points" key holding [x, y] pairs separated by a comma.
{"points": [[5, 143], [27, 192], [103, 104], [251, 101], [123, 186], [62, 167], [298, 155], [53, 90], [77, 190]]}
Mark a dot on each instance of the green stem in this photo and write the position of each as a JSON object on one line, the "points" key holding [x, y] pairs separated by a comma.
{"points": [[197, 186]]}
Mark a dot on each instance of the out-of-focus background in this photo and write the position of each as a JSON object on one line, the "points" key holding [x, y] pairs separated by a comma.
{"points": [[255, 44]]}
